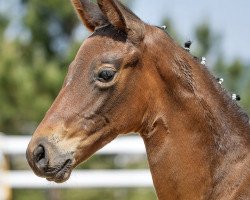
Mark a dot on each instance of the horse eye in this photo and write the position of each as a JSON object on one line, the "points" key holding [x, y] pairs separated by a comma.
{"points": [[106, 75]]}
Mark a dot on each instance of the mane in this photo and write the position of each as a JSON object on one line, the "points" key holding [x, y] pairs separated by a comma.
{"points": [[182, 65], [226, 95], [110, 31]]}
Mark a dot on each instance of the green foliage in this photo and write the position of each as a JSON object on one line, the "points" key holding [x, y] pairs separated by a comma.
{"points": [[3, 25], [110, 194], [32, 72], [204, 38], [170, 29], [21, 194], [50, 23], [85, 194], [26, 88], [236, 76]]}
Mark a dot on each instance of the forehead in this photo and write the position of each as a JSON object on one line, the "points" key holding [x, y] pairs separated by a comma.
{"points": [[110, 32], [105, 40]]}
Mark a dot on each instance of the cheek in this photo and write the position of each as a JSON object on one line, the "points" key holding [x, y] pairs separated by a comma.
{"points": [[126, 111], [131, 115]]}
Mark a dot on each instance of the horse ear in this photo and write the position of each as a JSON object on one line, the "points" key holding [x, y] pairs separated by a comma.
{"points": [[90, 14], [123, 19]]}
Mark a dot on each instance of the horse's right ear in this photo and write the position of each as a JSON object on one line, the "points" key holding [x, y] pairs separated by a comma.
{"points": [[90, 14], [123, 19]]}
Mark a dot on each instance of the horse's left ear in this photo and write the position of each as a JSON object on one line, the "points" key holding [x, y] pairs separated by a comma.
{"points": [[123, 19], [90, 14]]}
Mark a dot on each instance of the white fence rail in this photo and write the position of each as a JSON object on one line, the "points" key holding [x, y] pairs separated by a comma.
{"points": [[81, 179], [121, 145], [16, 145]]}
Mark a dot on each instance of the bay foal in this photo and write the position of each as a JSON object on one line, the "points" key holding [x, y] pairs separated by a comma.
{"points": [[127, 77]]}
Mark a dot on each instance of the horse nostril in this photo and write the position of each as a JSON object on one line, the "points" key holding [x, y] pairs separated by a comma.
{"points": [[39, 153], [40, 157]]}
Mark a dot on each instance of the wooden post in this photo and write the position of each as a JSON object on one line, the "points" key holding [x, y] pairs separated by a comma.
{"points": [[5, 190]]}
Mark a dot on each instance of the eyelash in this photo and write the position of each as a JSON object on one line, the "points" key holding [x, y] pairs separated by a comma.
{"points": [[106, 75]]}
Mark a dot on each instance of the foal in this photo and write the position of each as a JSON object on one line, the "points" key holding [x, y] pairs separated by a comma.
{"points": [[127, 77]]}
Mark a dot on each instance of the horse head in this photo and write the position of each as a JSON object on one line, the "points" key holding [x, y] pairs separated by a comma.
{"points": [[106, 91]]}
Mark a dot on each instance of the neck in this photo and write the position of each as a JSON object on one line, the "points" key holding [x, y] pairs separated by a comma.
{"points": [[197, 141]]}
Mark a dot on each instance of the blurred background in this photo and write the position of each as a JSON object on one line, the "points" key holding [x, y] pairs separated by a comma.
{"points": [[39, 39]]}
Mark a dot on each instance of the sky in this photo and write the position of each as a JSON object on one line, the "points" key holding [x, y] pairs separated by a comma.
{"points": [[229, 18]]}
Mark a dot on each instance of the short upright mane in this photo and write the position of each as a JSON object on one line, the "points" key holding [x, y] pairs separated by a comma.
{"points": [[183, 64], [111, 32]]}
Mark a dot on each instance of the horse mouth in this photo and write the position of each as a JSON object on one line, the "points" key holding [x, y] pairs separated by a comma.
{"points": [[62, 174]]}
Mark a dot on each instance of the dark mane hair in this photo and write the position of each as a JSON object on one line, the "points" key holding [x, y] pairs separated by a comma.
{"points": [[110, 31]]}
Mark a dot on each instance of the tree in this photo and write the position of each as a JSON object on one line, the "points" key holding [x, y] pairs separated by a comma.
{"points": [[32, 72]]}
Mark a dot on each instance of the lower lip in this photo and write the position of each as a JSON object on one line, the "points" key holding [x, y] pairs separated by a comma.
{"points": [[63, 174]]}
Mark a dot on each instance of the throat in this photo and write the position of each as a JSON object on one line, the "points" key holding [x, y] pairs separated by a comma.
{"points": [[188, 164], [180, 169], [193, 145]]}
